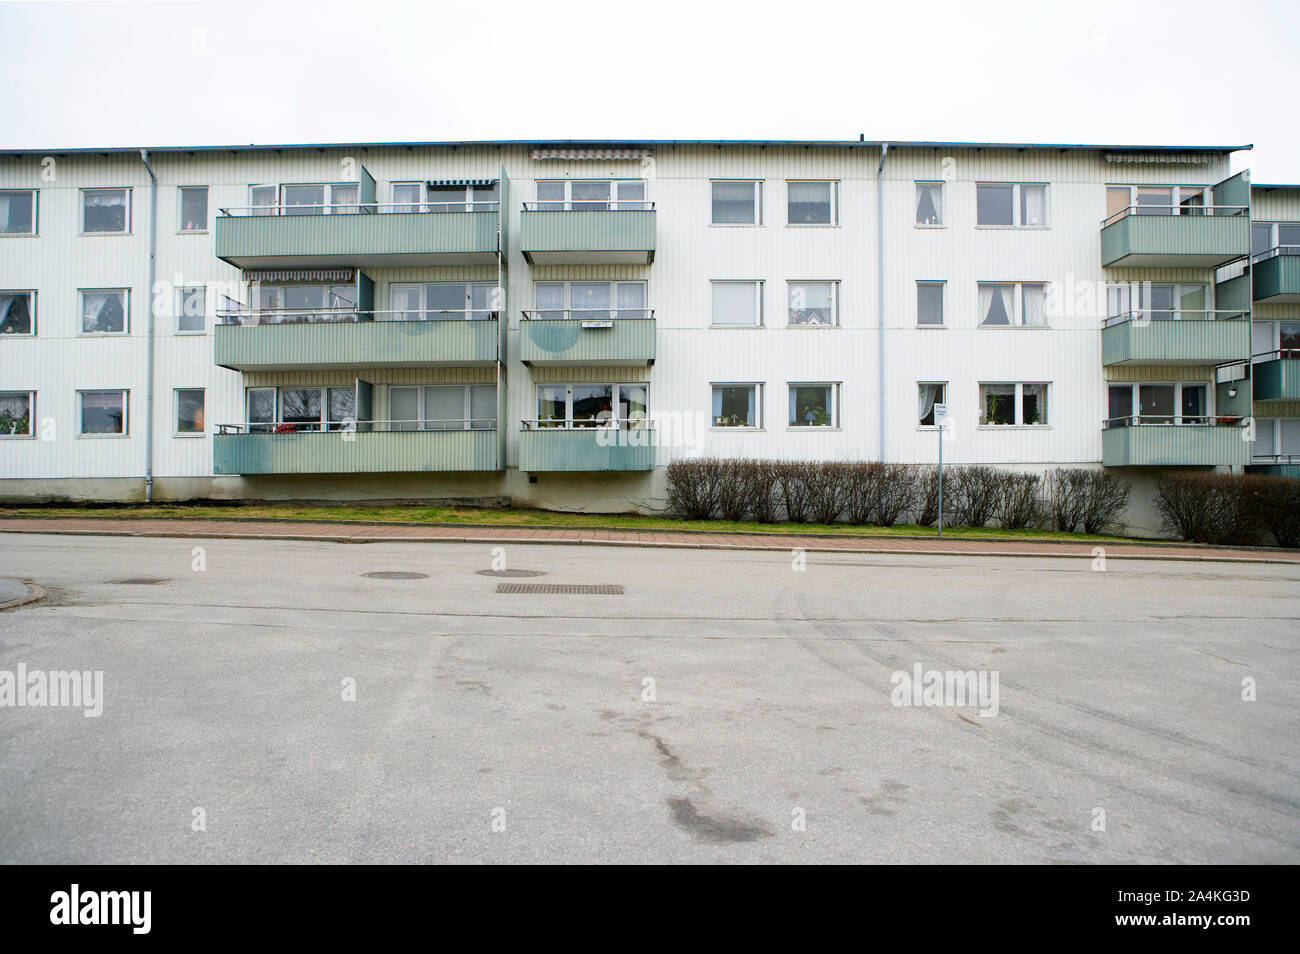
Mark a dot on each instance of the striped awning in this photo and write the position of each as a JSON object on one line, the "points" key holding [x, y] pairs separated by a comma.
{"points": [[454, 183], [299, 274], [1193, 158], [592, 153]]}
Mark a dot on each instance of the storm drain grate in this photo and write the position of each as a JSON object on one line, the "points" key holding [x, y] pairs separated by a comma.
{"points": [[396, 575], [563, 589], [509, 572], [140, 581]]}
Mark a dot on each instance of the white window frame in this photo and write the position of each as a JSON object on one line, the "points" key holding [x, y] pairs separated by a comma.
{"points": [[942, 399], [1017, 206], [834, 409], [322, 423], [613, 203], [36, 222], [1135, 408], [834, 203], [181, 291], [126, 412], [417, 205], [613, 422], [1017, 308], [1019, 402], [1114, 289], [469, 198], [180, 210], [465, 421], [176, 413], [613, 310], [942, 285], [943, 203], [757, 387], [82, 210], [835, 301], [758, 301], [327, 197], [31, 311], [31, 416], [758, 205], [1176, 197], [81, 313], [469, 312]]}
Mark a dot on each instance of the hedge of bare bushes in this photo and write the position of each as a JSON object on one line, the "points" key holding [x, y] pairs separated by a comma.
{"points": [[870, 492], [1230, 508]]}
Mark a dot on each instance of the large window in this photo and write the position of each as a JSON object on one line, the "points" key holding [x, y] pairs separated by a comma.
{"points": [[106, 210], [814, 405], [1013, 405], [738, 405], [17, 312], [593, 405], [292, 409], [1275, 439], [1173, 403], [592, 300], [17, 417], [928, 394], [813, 304], [104, 311], [1018, 304], [1017, 205], [457, 198], [591, 195], [737, 304], [103, 413], [1124, 200], [431, 300], [1156, 301], [1264, 237], [443, 407], [737, 202], [811, 202], [191, 308], [929, 203], [314, 199], [194, 209], [297, 304], [929, 304], [189, 411], [18, 212]]}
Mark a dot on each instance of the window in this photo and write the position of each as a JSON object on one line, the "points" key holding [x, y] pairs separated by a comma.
{"points": [[106, 210], [104, 311], [1124, 200], [191, 308], [591, 300], [737, 405], [929, 304], [737, 203], [1157, 301], [16, 417], [407, 196], [263, 199], [808, 203], [189, 410], [301, 409], [18, 212], [928, 394], [813, 304], [443, 407], [1013, 205], [591, 195], [1013, 305], [814, 405], [17, 312], [194, 209], [1274, 439], [461, 198], [593, 405], [434, 300], [929, 203], [296, 304], [1264, 237], [325, 199], [1013, 405], [103, 412], [737, 304], [1177, 403]]}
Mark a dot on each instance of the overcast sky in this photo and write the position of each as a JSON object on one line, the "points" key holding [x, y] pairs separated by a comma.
{"points": [[131, 74]]}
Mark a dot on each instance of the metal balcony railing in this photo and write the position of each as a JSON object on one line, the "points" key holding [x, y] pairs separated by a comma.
{"points": [[590, 205], [1281, 354], [1171, 420], [592, 314], [1274, 252], [301, 316], [1175, 314], [562, 424], [1191, 210], [339, 427], [359, 208]]}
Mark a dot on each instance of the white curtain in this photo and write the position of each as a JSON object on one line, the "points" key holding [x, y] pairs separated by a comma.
{"points": [[103, 311], [928, 205], [1034, 297], [996, 304], [735, 303], [927, 394], [444, 408], [1033, 202], [404, 408], [4, 213]]}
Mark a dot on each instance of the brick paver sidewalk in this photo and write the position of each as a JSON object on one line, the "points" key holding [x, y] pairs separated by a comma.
{"points": [[324, 530]]}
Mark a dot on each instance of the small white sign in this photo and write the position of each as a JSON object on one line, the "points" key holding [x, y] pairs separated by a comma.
{"points": [[941, 415]]}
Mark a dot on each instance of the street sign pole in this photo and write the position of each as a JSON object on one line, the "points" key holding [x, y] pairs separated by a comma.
{"points": [[941, 418]]}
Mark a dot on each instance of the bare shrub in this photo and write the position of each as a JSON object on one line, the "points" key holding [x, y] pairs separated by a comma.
{"points": [[1276, 503], [1207, 508], [1019, 504], [733, 490], [897, 491], [761, 490], [861, 489], [1105, 500], [975, 491], [693, 487], [1065, 497]]}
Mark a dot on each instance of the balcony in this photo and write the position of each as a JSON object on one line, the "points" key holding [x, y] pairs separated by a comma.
{"points": [[1196, 337], [559, 338], [1175, 237], [343, 338], [1276, 376], [543, 448], [1279, 465], [1149, 441], [374, 447], [588, 233], [460, 233], [1276, 275]]}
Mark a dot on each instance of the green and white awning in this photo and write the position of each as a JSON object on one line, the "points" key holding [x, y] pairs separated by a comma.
{"points": [[460, 183], [299, 274]]}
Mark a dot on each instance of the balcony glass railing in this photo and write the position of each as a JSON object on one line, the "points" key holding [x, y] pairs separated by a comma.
{"points": [[1195, 211], [1274, 252]]}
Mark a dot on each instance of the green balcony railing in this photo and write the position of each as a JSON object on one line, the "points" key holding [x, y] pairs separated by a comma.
{"points": [[1276, 376], [374, 235], [1200, 337], [587, 337], [1154, 236], [264, 341], [622, 236], [543, 448], [236, 450], [1174, 442], [1276, 275]]}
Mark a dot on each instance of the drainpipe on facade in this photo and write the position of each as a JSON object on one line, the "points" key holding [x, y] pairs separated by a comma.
{"points": [[149, 346], [880, 290]]}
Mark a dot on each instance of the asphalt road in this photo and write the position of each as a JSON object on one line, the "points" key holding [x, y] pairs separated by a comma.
{"points": [[520, 727]]}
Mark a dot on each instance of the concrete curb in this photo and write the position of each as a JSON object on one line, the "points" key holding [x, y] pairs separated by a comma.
{"points": [[34, 593]]}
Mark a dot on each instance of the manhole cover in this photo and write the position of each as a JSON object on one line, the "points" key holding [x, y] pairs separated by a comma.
{"points": [[509, 572], [396, 575], [140, 581], [563, 589]]}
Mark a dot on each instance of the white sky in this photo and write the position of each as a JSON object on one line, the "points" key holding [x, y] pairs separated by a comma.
{"points": [[158, 74]]}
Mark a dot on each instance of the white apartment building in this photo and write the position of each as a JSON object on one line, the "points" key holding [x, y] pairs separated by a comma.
{"points": [[553, 322]]}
